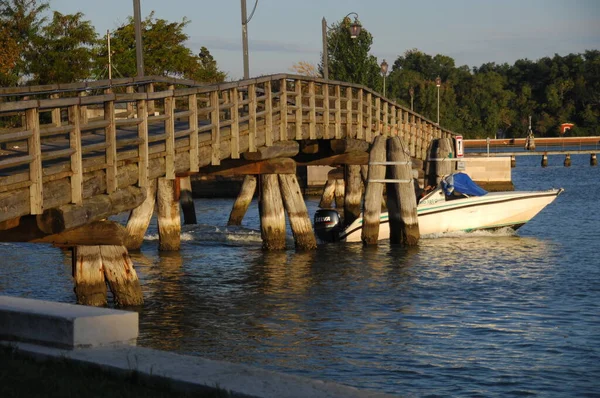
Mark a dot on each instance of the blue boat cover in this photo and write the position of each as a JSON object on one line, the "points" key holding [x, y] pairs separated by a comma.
{"points": [[462, 183]]}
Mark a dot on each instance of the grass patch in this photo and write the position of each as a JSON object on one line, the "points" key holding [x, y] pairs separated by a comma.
{"points": [[22, 376]]}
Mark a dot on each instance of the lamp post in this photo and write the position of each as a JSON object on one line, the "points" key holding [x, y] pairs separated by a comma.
{"points": [[139, 55], [438, 83], [245, 40], [384, 70], [355, 28], [411, 91]]}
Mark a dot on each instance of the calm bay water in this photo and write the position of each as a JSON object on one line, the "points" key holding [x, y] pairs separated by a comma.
{"points": [[468, 315]]}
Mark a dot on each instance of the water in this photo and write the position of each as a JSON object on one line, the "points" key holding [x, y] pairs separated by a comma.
{"points": [[482, 314]]}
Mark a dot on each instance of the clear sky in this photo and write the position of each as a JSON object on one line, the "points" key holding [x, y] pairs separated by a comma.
{"points": [[283, 32]]}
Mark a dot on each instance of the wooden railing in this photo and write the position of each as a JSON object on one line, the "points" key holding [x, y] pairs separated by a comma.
{"points": [[63, 144]]}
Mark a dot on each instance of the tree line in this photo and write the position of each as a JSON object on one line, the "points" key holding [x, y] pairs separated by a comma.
{"points": [[483, 101], [64, 48]]}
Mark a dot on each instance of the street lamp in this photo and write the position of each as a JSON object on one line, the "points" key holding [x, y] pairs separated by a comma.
{"points": [[411, 91], [354, 29], [384, 70], [438, 83]]}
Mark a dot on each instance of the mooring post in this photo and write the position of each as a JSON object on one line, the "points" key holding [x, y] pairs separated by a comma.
{"points": [[186, 200], [513, 161], [353, 194], [169, 219], [291, 194], [139, 218], [593, 160], [439, 162], [340, 189], [121, 276], [567, 162], [272, 215], [374, 192], [240, 207], [328, 194], [545, 160], [90, 285], [401, 198]]}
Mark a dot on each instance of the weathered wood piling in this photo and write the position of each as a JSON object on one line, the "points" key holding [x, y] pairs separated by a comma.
{"points": [[90, 285], [139, 218], [374, 192], [353, 194], [272, 215], [304, 236], [168, 217], [545, 160], [567, 162], [593, 160], [186, 200], [243, 200]]}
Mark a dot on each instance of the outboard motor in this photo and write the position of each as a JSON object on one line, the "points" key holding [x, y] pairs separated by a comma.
{"points": [[328, 225]]}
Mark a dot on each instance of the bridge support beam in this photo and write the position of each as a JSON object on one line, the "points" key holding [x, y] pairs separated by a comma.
{"points": [[93, 266], [304, 237], [567, 162], [353, 194], [272, 215], [593, 160], [401, 199], [240, 207], [139, 218], [438, 162], [169, 219], [374, 192], [186, 200], [545, 160]]}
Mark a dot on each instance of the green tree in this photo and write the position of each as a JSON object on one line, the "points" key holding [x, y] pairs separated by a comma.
{"points": [[21, 21], [349, 59], [164, 52], [64, 51]]}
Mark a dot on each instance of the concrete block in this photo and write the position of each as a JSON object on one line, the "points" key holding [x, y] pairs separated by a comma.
{"points": [[65, 325]]}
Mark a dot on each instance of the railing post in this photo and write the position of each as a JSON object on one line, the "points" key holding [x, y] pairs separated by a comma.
{"points": [[394, 127], [169, 138], [268, 114], [129, 90], [326, 111], [338, 112], [83, 118], [360, 122], [349, 116], [283, 111], [252, 121], [386, 115], [235, 124], [215, 158], [312, 116], [76, 157], [369, 130], [298, 84], [142, 129], [193, 121], [111, 146], [419, 138], [150, 104], [378, 114], [55, 112], [36, 197], [413, 135]]}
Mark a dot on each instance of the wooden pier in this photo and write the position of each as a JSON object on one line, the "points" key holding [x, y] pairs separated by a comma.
{"points": [[72, 155]]}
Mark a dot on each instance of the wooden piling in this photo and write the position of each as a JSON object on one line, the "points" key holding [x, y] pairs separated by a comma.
{"points": [[567, 161], [90, 285], [353, 194], [186, 200], [513, 161], [545, 160], [593, 160], [139, 218], [240, 207], [340, 189], [328, 194], [304, 237], [169, 220], [374, 192], [272, 215], [439, 163], [121, 276], [401, 198]]}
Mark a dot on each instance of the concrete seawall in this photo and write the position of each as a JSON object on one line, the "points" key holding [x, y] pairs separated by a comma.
{"points": [[105, 339]]}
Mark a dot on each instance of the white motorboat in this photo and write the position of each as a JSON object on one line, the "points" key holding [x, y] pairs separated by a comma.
{"points": [[457, 204]]}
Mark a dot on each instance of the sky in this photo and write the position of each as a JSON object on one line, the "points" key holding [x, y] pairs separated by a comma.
{"points": [[284, 32]]}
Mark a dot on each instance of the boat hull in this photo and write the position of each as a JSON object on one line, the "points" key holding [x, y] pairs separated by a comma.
{"points": [[493, 211]]}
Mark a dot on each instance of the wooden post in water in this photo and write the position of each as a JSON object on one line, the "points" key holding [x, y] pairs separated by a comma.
{"points": [[374, 192], [121, 276], [593, 160], [545, 160], [438, 162], [513, 161], [272, 215], [186, 200], [328, 194], [90, 286], [169, 220], [240, 207], [401, 199], [567, 162], [304, 236], [353, 194], [139, 218], [340, 189]]}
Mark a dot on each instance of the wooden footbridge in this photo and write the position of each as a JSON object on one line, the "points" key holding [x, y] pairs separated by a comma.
{"points": [[72, 155]]}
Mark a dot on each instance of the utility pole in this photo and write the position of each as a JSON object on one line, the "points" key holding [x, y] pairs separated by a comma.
{"points": [[139, 55], [325, 50], [109, 55], [245, 40]]}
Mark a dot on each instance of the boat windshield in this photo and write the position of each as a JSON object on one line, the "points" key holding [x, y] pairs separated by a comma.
{"points": [[461, 183]]}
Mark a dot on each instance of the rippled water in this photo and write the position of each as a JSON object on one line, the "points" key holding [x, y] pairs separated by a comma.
{"points": [[468, 315]]}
